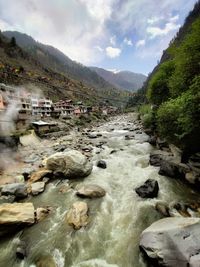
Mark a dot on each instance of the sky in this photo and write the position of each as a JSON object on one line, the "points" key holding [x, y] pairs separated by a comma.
{"points": [[112, 34]]}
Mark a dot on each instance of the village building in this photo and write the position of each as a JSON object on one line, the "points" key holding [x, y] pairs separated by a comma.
{"points": [[42, 127], [41, 107], [64, 107]]}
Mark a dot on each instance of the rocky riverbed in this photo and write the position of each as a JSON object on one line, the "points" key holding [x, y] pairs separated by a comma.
{"points": [[84, 199]]}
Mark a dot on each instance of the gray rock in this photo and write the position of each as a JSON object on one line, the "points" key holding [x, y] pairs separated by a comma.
{"points": [[148, 190], [77, 216], [92, 136], [91, 191], [173, 242], [173, 170], [152, 140], [157, 157], [70, 164], [37, 188], [129, 137], [21, 250], [15, 216], [102, 164], [7, 199], [19, 190], [163, 208]]}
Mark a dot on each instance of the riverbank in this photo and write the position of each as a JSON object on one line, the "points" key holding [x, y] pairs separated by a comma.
{"points": [[115, 220]]}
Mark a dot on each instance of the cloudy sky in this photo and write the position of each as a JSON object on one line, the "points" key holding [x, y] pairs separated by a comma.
{"points": [[113, 34]]}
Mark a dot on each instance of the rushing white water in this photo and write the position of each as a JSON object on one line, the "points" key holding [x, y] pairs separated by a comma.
{"points": [[116, 221]]}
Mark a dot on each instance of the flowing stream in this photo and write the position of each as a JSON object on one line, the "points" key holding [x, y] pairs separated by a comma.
{"points": [[116, 220]]}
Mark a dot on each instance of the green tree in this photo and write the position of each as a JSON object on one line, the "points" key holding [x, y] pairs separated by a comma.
{"points": [[158, 89], [13, 42]]}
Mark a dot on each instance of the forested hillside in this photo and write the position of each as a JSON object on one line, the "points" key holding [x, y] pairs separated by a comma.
{"points": [[174, 88], [19, 67], [54, 59]]}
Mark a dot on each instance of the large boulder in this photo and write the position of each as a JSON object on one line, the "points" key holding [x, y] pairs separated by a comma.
{"points": [[156, 157], [19, 190], [173, 170], [173, 242], [90, 191], [148, 190], [14, 216], [78, 215], [70, 164]]}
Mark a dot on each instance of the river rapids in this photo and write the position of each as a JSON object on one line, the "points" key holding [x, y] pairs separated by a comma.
{"points": [[116, 220]]}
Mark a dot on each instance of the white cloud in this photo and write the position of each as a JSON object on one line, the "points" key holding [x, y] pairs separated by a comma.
{"points": [[154, 20], [75, 26], [113, 52], [174, 19], [128, 41], [157, 31], [99, 48], [113, 40], [140, 43]]}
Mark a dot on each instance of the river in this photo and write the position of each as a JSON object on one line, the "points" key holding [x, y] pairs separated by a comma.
{"points": [[116, 220]]}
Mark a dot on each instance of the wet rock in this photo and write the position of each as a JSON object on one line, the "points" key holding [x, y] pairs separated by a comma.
{"points": [[148, 190], [19, 190], [162, 144], [172, 169], [149, 132], [42, 213], [64, 188], [192, 178], [46, 261], [91, 191], [194, 162], [21, 250], [163, 208], [178, 209], [87, 149], [37, 188], [156, 157], [129, 137], [152, 140], [113, 151], [78, 215], [173, 242], [60, 148], [26, 172], [92, 136], [7, 199], [14, 216], [39, 175], [70, 164], [102, 164], [177, 153]]}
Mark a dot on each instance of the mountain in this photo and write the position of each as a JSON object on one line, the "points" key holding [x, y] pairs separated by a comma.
{"points": [[125, 80], [174, 88], [54, 59], [19, 66]]}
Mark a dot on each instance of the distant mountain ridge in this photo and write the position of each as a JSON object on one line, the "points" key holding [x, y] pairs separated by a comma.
{"points": [[125, 80], [52, 58], [19, 67]]}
